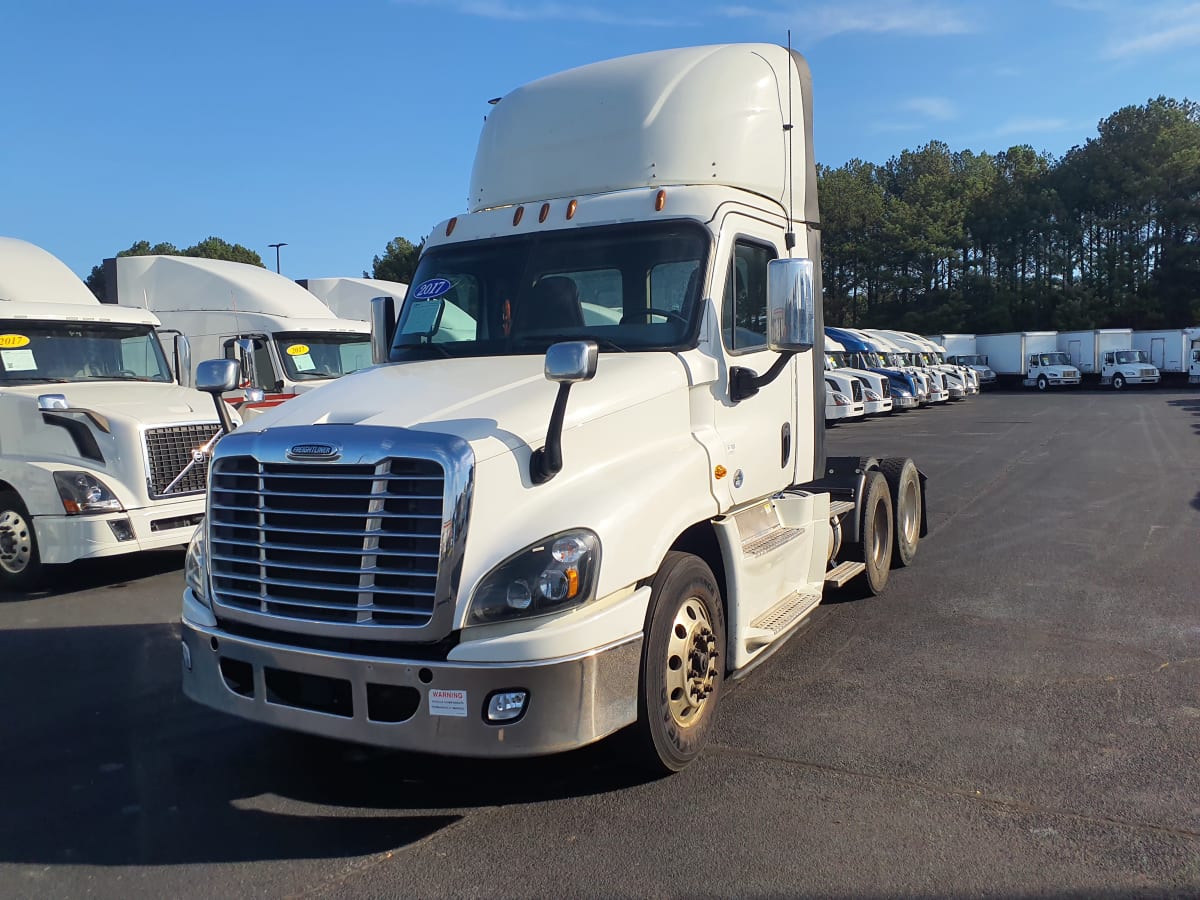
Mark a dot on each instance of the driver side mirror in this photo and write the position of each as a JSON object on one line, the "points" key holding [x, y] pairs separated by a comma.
{"points": [[216, 376], [791, 305]]}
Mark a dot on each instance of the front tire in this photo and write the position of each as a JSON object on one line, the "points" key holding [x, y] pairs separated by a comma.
{"points": [[1118, 382], [683, 664], [904, 483], [20, 561], [875, 537], [1042, 383]]}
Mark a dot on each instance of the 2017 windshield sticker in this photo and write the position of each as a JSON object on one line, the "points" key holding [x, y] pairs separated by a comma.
{"points": [[13, 341], [297, 350], [434, 287]]}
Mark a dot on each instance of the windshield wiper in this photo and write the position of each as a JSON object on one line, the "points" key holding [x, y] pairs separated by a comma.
{"points": [[35, 379]]}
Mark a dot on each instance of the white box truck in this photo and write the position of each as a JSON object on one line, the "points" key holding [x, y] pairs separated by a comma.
{"points": [[100, 447], [291, 341], [1032, 357], [1171, 351], [568, 521], [350, 298], [1087, 348], [960, 350]]}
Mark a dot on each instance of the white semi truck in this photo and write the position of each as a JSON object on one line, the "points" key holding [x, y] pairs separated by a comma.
{"points": [[903, 355], [289, 340], [569, 521], [1031, 356], [99, 444], [876, 390]]}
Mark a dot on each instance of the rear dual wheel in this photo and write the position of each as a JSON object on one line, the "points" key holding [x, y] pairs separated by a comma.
{"points": [[904, 483]]}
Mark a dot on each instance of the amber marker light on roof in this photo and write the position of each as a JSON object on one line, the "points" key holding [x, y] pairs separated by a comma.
{"points": [[517, 215], [450, 225], [660, 201], [571, 209], [545, 212]]}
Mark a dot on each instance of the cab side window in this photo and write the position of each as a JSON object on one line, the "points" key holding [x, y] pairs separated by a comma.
{"points": [[744, 310], [264, 369]]}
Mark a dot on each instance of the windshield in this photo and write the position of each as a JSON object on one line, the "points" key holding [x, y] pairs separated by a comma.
{"points": [[972, 360], [838, 357], [309, 355], [628, 287], [1055, 359], [32, 352], [1132, 356], [872, 360]]}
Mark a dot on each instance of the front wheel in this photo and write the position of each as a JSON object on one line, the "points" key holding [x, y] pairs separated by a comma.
{"points": [[683, 664], [20, 562], [1042, 383], [1118, 382]]}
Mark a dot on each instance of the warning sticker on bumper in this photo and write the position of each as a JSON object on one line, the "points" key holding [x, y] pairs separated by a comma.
{"points": [[447, 703]]}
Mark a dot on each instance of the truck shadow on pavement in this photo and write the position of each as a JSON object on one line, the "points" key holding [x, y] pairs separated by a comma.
{"points": [[106, 763], [111, 572]]}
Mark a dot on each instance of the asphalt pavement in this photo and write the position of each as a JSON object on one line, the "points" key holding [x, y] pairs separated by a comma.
{"points": [[1018, 714]]}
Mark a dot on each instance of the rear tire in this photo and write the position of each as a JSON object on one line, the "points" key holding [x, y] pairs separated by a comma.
{"points": [[904, 483], [683, 665], [875, 537], [20, 561]]}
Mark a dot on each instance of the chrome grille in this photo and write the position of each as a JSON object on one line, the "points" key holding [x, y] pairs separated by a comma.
{"points": [[856, 390], [350, 544], [1147, 373], [168, 452]]}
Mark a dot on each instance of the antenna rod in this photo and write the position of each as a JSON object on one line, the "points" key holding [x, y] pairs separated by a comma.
{"points": [[789, 237]]}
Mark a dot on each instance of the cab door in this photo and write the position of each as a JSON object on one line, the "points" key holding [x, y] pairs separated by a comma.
{"points": [[758, 433]]}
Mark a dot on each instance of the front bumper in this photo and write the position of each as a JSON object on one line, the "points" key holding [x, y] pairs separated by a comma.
{"points": [[880, 407], [957, 393], [64, 539], [905, 402], [1141, 379], [573, 701]]}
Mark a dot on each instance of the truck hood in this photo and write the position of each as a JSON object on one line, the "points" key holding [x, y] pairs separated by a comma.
{"points": [[140, 402], [497, 404]]}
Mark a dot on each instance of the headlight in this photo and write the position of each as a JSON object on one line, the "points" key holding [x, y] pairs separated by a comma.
{"points": [[84, 493], [553, 575], [195, 566], [871, 396]]}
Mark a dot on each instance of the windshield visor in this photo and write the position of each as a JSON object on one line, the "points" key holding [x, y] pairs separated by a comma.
{"points": [[308, 355], [32, 352], [628, 287]]}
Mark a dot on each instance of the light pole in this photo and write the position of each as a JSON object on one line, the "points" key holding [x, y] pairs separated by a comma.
{"points": [[277, 246]]}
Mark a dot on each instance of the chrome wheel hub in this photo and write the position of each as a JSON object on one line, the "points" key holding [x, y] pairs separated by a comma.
{"points": [[692, 662], [16, 544]]}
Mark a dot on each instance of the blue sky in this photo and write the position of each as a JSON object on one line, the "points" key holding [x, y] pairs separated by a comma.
{"points": [[335, 126]]}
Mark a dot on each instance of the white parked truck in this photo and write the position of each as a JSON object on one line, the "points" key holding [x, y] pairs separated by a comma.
{"points": [[289, 340], [876, 390], [350, 298], [570, 521], [955, 380], [1171, 351], [840, 406], [1031, 356], [1087, 348], [960, 350], [1121, 368], [99, 445], [901, 354]]}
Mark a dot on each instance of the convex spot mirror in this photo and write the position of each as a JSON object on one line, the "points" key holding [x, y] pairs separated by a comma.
{"points": [[791, 305], [570, 362], [216, 376]]}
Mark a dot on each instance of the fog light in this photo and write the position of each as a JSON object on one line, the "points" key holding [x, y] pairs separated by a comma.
{"points": [[187, 655], [121, 529], [506, 706]]}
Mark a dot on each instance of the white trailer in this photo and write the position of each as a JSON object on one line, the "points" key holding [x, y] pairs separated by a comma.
{"points": [[608, 497], [350, 298], [960, 350], [98, 441], [1032, 356], [290, 341]]}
